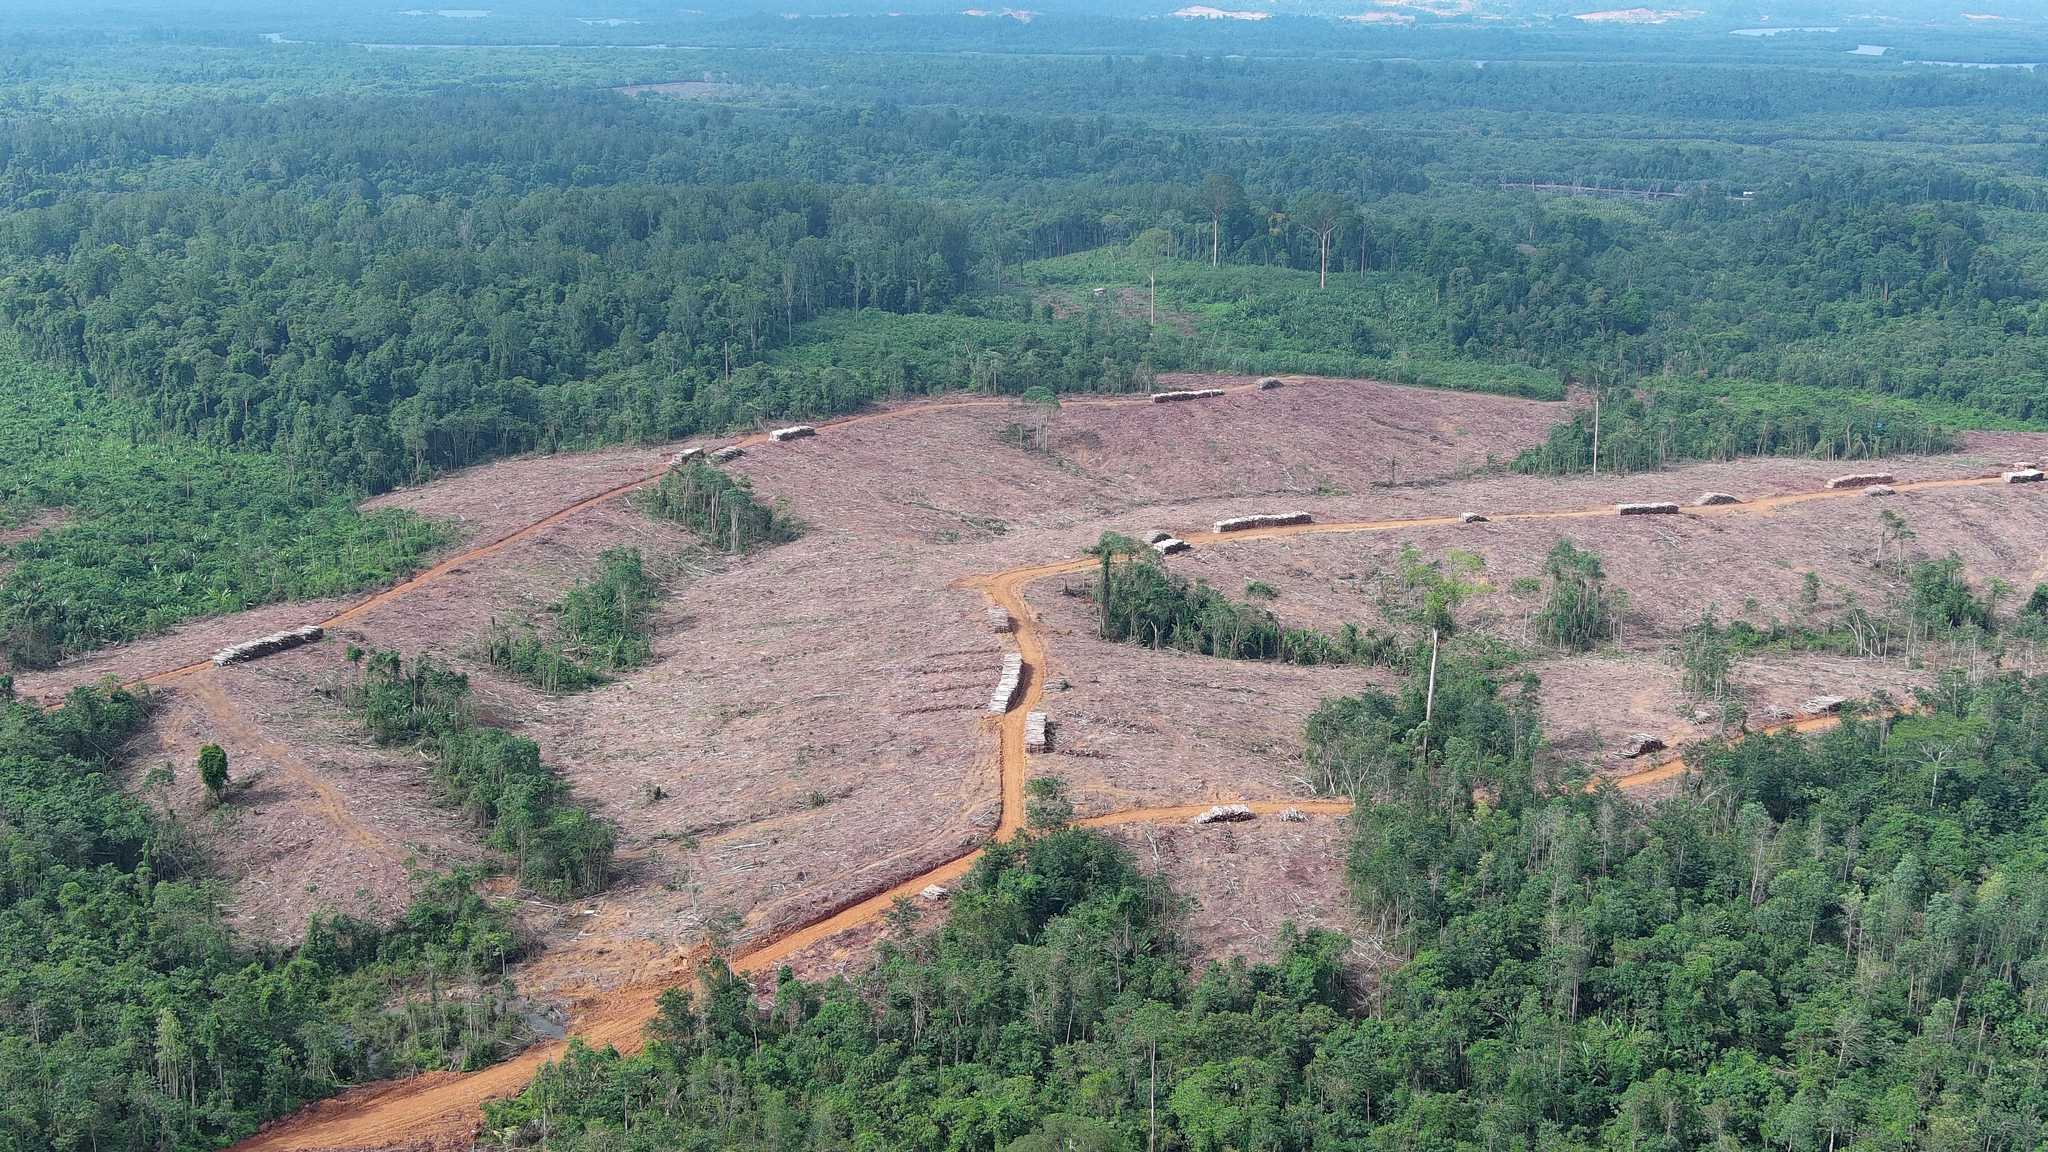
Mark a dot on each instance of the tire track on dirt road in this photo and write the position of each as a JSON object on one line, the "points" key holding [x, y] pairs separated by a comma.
{"points": [[228, 719], [442, 1110]]}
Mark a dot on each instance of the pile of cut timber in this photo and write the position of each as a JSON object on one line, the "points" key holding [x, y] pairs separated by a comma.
{"points": [[2023, 476], [266, 645], [1190, 394], [1006, 689], [1658, 508], [1156, 535], [998, 618], [1034, 732], [729, 452], [1262, 520], [1223, 814], [686, 456], [934, 892], [1822, 705], [1709, 499], [1293, 815], [1268, 383], [1170, 546], [1880, 490], [793, 432], [1471, 518], [1860, 480]]}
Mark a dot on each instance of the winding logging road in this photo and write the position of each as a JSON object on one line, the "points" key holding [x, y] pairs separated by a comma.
{"points": [[443, 1109]]}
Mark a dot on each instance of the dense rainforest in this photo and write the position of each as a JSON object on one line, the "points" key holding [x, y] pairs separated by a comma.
{"points": [[361, 292]]}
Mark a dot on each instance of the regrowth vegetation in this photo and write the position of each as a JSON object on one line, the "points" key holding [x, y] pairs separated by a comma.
{"points": [[604, 626], [494, 778], [719, 507], [1138, 600]]}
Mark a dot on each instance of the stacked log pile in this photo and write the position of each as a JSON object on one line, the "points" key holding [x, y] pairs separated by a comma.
{"points": [[263, 646], [1005, 694], [1223, 814], [1188, 394], [1860, 480], [1262, 520], [729, 452], [2023, 476], [1709, 499], [1034, 732], [793, 432], [1658, 508]]}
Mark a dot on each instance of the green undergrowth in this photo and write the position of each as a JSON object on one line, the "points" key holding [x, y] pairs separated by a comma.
{"points": [[160, 529], [496, 779], [602, 627]]}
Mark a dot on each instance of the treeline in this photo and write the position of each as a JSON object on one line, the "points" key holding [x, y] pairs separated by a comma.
{"points": [[494, 778], [371, 344], [135, 1019], [1646, 428]]}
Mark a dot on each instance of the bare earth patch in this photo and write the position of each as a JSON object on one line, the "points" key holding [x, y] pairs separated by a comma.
{"points": [[810, 730]]}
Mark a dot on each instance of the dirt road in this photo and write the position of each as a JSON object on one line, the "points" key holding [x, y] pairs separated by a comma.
{"points": [[442, 1110]]}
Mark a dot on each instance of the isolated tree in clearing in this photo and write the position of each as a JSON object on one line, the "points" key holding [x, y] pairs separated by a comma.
{"points": [[213, 771]]}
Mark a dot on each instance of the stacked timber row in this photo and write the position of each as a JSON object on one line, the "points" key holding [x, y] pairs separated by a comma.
{"points": [[1472, 518], [1822, 705], [263, 646], [1005, 694], [998, 618], [793, 432], [1170, 546], [1034, 732], [1709, 499], [686, 457], [2023, 476], [1262, 520], [1223, 814], [1156, 535], [1268, 383], [1190, 394], [1860, 480], [1880, 490], [729, 452], [1658, 508]]}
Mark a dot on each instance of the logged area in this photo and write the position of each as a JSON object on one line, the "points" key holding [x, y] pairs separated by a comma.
{"points": [[810, 739], [1094, 579]]}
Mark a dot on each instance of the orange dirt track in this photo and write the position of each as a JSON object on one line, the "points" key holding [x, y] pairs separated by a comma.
{"points": [[442, 1110]]}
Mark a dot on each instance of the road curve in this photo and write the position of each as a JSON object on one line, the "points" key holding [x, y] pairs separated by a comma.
{"points": [[441, 1110]]}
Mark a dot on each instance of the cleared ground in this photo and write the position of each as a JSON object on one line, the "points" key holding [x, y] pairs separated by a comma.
{"points": [[809, 741]]}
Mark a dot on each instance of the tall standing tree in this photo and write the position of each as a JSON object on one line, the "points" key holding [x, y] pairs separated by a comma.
{"points": [[1224, 196], [1323, 215]]}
